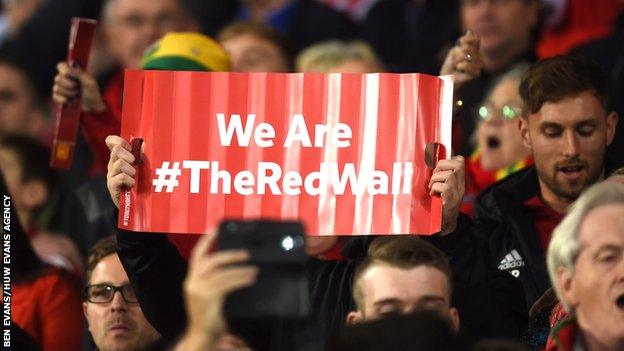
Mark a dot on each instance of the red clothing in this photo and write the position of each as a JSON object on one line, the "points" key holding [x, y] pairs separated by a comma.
{"points": [[557, 314], [562, 336], [583, 21], [334, 253], [49, 309], [477, 179], [97, 126], [546, 219]]}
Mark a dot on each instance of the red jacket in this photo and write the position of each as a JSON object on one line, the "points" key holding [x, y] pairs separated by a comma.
{"points": [[96, 126], [477, 179], [562, 336], [49, 309]]}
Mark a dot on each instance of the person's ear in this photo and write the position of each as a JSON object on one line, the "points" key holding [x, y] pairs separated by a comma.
{"points": [[612, 121], [85, 312], [34, 193], [354, 317], [565, 284], [455, 323], [524, 131]]}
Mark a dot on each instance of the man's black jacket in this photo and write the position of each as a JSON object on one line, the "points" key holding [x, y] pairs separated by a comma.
{"points": [[503, 229], [490, 302]]}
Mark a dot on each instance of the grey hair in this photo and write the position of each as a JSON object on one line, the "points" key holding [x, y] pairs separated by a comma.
{"points": [[323, 56], [515, 73], [564, 246]]}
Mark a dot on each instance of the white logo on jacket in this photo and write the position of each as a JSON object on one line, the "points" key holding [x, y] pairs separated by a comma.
{"points": [[511, 262]]}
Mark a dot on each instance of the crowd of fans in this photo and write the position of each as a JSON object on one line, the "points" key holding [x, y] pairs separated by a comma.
{"points": [[531, 252]]}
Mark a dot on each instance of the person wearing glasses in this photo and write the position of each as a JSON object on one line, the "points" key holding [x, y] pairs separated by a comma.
{"points": [[116, 321], [567, 124], [499, 149]]}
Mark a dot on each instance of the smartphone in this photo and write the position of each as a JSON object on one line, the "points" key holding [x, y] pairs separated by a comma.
{"points": [[278, 250]]}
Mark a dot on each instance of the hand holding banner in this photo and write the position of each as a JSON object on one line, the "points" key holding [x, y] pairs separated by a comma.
{"points": [[68, 115], [343, 153]]}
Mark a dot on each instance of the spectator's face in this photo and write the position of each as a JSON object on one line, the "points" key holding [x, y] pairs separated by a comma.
{"points": [[18, 113], [595, 290], [133, 25], [498, 135], [568, 141], [250, 53], [387, 290], [19, 12], [116, 325], [500, 24], [26, 195]]}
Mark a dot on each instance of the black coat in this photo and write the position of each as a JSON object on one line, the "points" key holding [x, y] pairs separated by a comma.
{"points": [[490, 303], [503, 232], [156, 271]]}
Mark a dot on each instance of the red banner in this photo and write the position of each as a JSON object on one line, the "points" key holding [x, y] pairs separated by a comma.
{"points": [[343, 153]]}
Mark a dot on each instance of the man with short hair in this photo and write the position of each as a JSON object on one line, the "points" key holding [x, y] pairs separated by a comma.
{"points": [[505, 30], [129, 27], [504, 27], [115, 319], [567, 126], [586, 267], [401, 275]]}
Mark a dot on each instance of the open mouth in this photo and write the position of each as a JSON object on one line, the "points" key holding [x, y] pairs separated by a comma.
{"points": [[571, 171], [120, 327], [493, 142]]}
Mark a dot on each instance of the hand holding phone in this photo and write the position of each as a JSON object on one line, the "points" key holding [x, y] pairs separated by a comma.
{"points": [[210, 278], [277, 249]]}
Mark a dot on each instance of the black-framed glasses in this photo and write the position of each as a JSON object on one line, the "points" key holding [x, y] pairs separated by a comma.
{"points": [[506, 112], [104, 293]]}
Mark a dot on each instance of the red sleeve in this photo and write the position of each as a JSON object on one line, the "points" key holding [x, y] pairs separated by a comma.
{"points": [[96, 126], [61, 314]]}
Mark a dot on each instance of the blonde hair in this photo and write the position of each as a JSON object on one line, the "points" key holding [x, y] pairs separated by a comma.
{"points": [[324, 56], [400, 251], [564, 246]]}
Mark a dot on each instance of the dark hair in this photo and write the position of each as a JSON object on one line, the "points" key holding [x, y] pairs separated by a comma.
{"points": [[261, 31], [401, 251], [559, 77], [15, 61], [422, 330], [33, 158], [25, 264], [103, 248]]}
